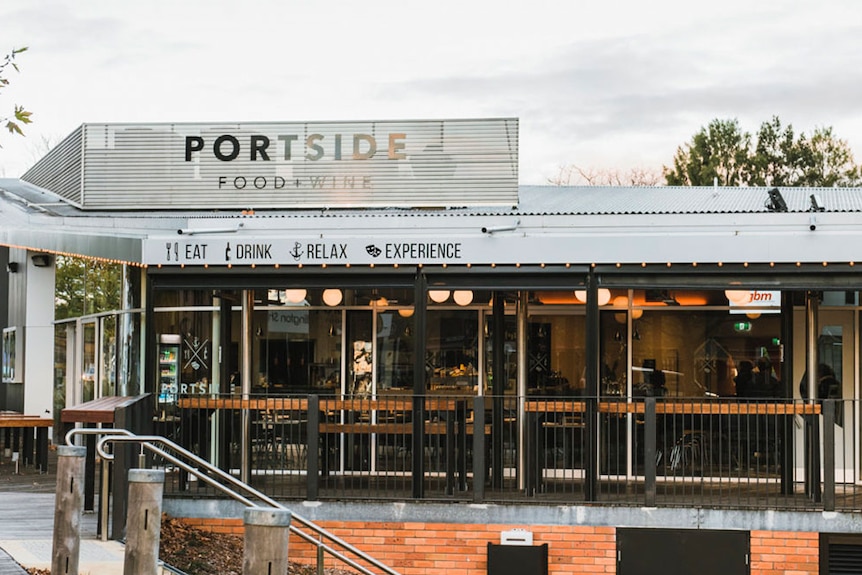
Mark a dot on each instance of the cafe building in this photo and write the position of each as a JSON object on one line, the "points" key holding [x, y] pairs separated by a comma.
{"points": [[635, 353]]}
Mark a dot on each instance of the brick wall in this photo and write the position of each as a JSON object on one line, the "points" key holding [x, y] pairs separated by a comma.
{"points": [[784, 553], [444, 548]]}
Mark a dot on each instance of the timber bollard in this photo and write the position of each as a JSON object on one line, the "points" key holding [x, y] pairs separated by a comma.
{"points": [[267, 532], [67, 509], [144, 521]]}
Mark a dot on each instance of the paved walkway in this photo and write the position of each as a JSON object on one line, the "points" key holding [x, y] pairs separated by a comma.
{"points": [[27, 524]]}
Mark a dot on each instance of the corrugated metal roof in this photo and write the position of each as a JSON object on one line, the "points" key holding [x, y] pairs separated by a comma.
{"points": [[601, 200], [533, 200]]}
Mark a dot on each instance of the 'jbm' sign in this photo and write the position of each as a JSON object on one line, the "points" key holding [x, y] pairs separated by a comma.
{"points": [[747, 301]]}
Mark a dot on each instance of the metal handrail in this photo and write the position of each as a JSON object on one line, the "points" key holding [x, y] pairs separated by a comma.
{"points": [[148, 441]]}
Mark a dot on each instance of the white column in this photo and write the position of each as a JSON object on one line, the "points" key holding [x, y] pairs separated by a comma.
{"points": [[39, 338]]}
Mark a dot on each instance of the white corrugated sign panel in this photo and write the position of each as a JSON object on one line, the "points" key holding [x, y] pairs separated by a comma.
{"points": [[444, 163]]}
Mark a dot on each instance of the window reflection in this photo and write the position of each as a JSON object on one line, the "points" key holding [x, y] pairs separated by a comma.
{"points": [[395, 351], [700, 352], [451, 357], [556, 354]]}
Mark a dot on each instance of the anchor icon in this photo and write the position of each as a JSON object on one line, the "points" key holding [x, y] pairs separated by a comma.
{"points": [[296, 252]]}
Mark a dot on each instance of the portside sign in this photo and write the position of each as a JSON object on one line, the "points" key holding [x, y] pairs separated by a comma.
{"points": [[443, 163]]}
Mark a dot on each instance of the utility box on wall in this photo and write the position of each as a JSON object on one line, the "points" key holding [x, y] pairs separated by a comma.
{"points": [[516, 555]]}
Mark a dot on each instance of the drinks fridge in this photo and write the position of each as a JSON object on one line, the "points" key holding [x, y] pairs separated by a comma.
{"points": [[169, 368]]}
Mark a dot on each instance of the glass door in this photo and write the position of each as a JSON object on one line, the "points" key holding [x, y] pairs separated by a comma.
{"points": [[90, 364], [837, 381]]}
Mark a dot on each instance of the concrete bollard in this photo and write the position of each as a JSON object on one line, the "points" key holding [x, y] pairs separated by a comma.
{"points": [[267, 532], [68, 505], [144, 521]]}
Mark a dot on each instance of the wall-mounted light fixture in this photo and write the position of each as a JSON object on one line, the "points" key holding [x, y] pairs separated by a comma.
{"points": [[12, 267], [503, 228], [41, 260], [193, 231]]}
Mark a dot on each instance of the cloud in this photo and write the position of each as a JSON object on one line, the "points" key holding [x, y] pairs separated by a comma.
{"points": [[611, 84]]}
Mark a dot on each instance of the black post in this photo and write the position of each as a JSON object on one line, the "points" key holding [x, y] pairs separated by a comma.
{"points": [[479, 449], [829, 406], [313, 448], [90, 469], [498, 388], [534, 445], [419, 384], [461, 420], [649, 452], [27, 445], [787, 380], [593, 351]]}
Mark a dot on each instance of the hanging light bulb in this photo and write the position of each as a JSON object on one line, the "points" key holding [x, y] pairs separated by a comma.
{"points": [[604, 296], [406, 312], [463, 297], [295, 295], [332, 297], [736, 296], [438, 295]]}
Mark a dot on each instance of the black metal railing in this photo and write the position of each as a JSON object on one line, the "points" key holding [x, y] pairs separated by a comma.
{"points": [[716, 452]]}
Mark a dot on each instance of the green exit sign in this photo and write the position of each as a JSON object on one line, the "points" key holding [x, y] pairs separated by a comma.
{"points": [[742, 326]]}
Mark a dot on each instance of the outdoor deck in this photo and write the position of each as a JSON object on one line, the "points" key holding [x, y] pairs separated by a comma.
{"points": [[666, 453]]}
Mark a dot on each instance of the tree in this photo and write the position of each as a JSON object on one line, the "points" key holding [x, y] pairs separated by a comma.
{"points": [[723, 153], [20, 115], [717, 153], [774, 158], [826, 161], [86, 286], [573, 175]]}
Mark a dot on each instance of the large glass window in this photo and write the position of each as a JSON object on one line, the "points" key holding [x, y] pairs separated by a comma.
{"points": [[298, 350], [10, 355], [451, 356], [694, 344], [185, 339], [395, 351], [556, 344]]}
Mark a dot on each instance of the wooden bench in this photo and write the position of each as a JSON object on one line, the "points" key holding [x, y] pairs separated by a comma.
{"points": [[93, 413], [34, 423], [97, 411]]}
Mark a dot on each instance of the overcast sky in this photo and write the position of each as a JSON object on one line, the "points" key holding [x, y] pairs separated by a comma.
{"points": [[600, 84]]}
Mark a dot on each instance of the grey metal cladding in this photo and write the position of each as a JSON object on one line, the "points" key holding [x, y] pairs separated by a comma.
{"points": [[374, 164], [60, 169]]}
